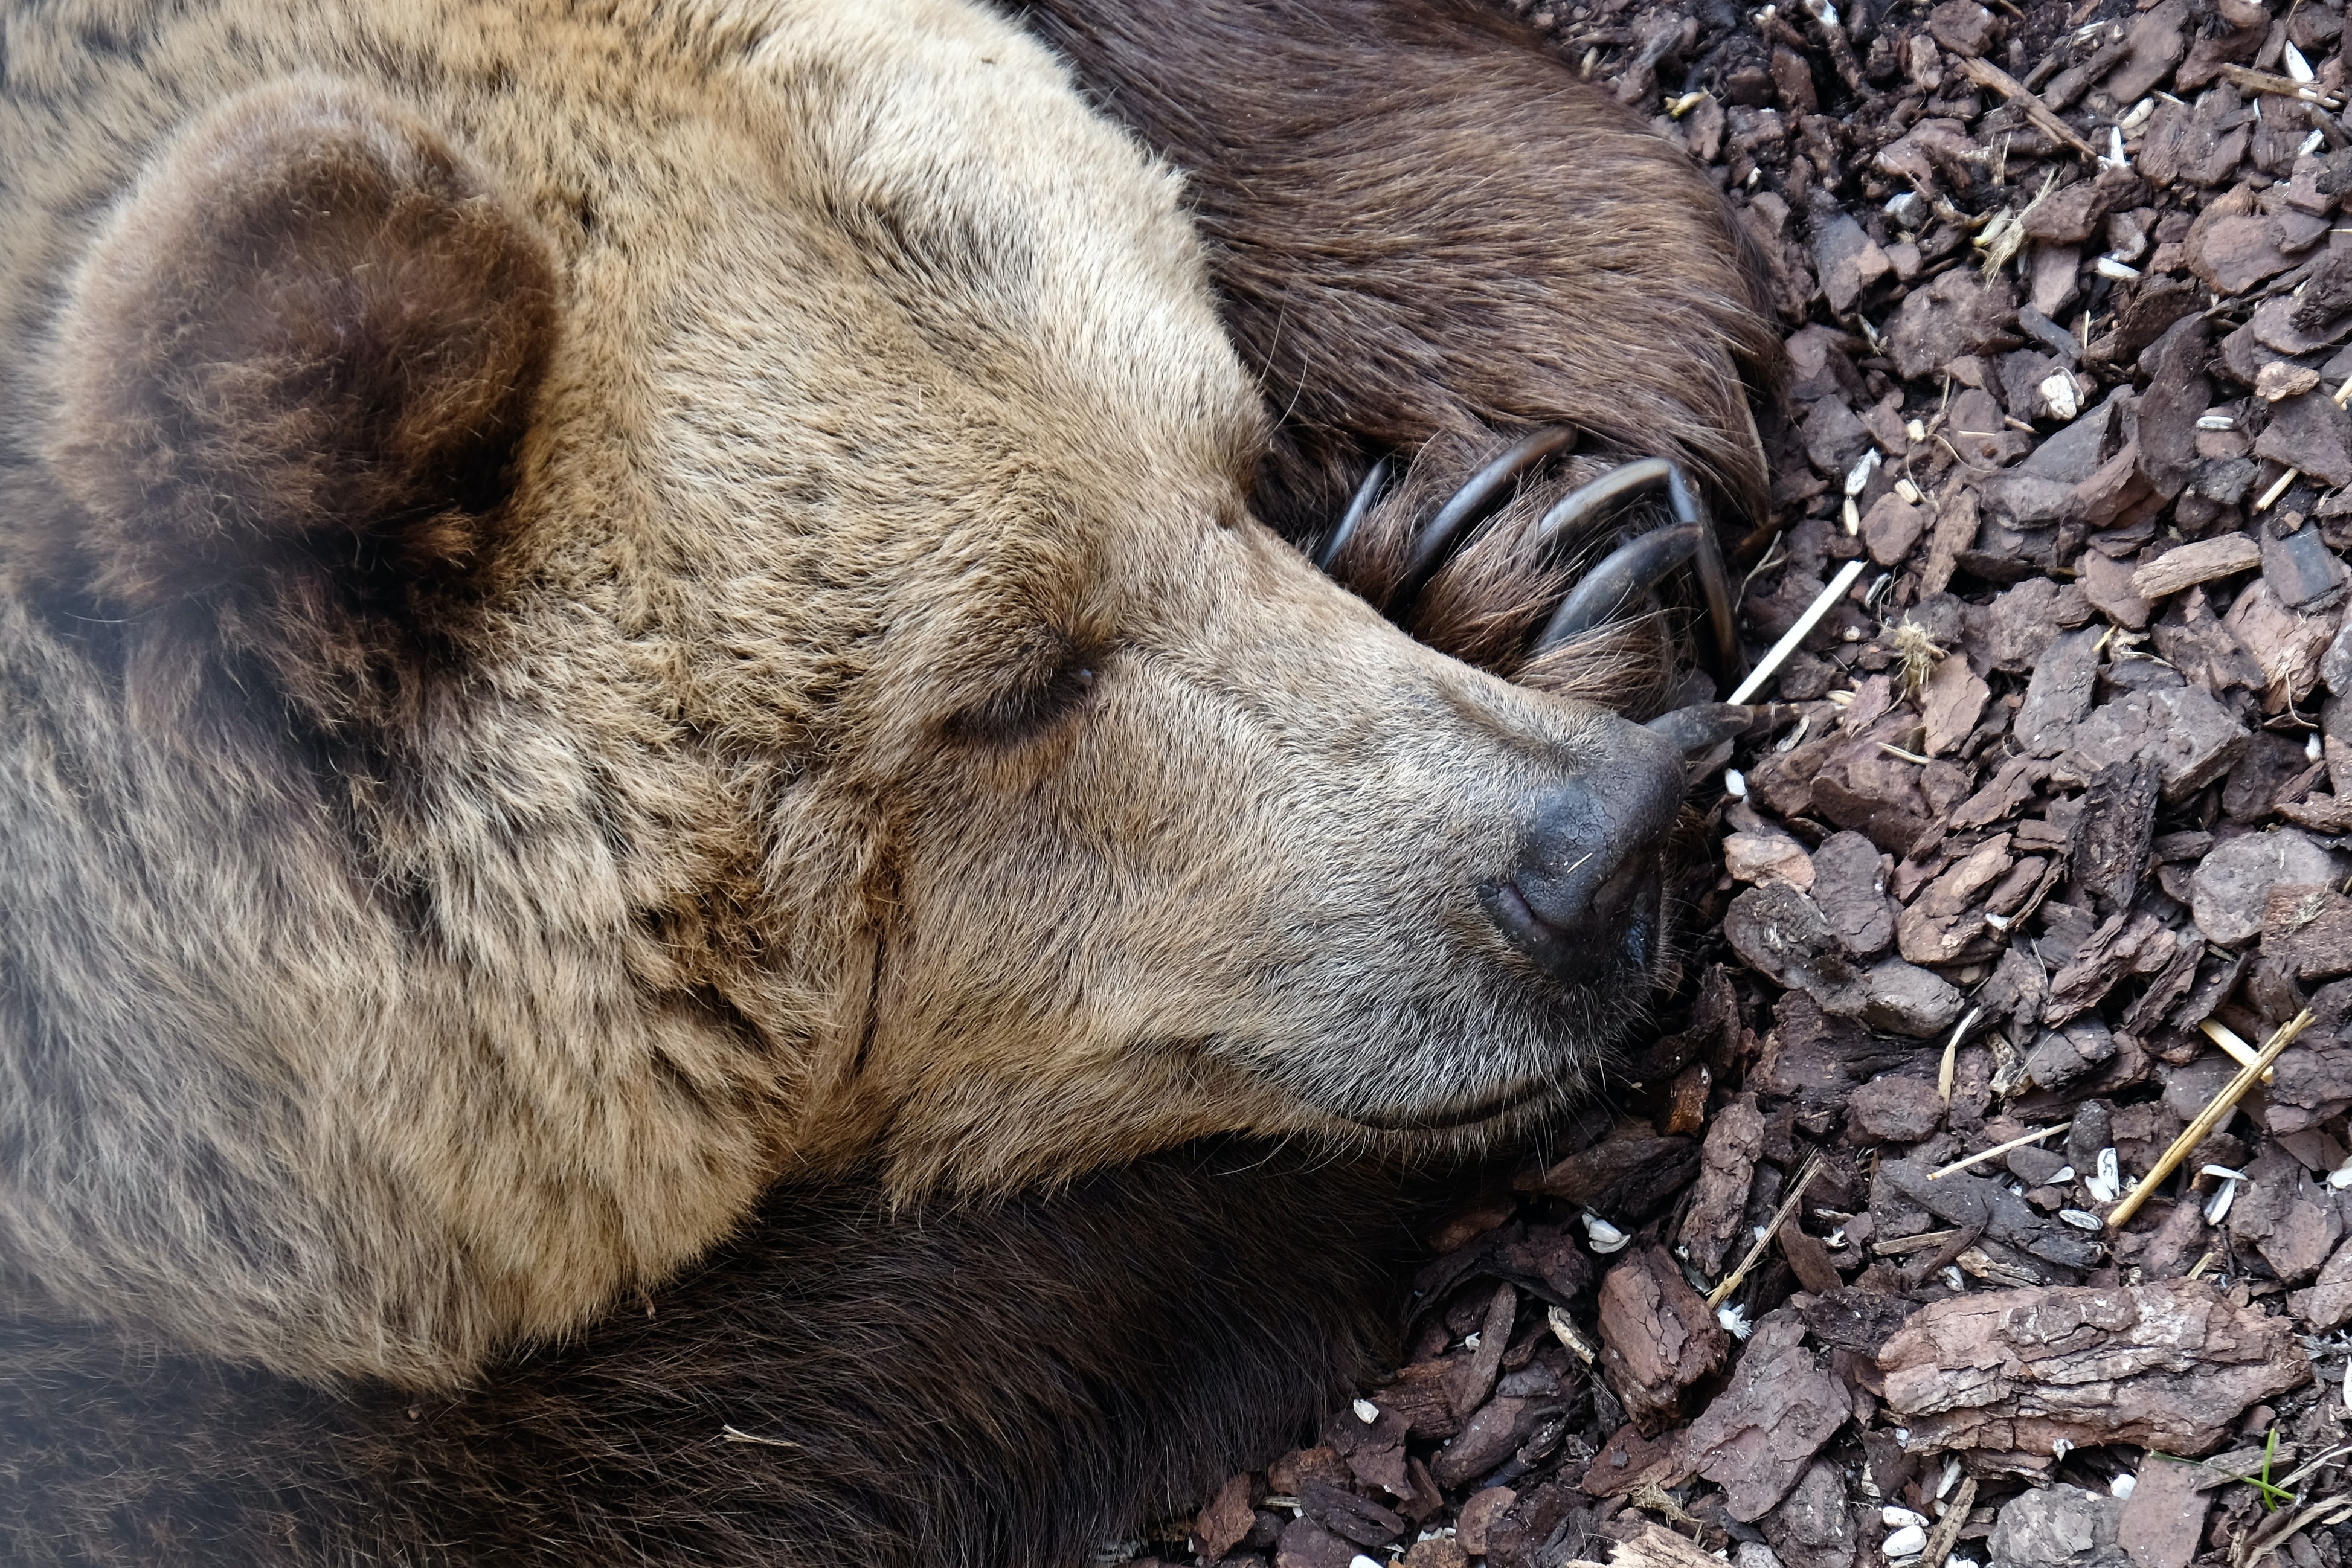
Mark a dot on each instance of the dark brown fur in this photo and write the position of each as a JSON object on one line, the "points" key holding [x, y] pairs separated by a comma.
{"points": [[1000, 1385], [1428, 239], [1424, 226]]}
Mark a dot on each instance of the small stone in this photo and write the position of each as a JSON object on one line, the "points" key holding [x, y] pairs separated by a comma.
{"points": [[2059, 1527], [1891, 528], [1768, 857], [2230, 887], [2281, 379], [1964, 27], [1893, 1110], [1901, 998]]}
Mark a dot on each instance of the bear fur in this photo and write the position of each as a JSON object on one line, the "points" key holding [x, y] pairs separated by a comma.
{"points": [[606, 612]]}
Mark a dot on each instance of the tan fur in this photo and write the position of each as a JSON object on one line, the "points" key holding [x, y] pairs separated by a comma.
{"points": [[427, 919]]}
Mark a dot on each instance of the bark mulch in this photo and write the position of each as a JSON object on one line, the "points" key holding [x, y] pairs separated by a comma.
{"points": [[2059, 830]]}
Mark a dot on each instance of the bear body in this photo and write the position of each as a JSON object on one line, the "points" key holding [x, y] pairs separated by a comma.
{"points": [[601, 609]]}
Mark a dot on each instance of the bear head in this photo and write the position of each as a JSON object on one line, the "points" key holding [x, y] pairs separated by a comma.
{"points": [[625, 617]]}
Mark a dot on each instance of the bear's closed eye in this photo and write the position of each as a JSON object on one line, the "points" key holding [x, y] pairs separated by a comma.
{"points": [[1057, 689]]}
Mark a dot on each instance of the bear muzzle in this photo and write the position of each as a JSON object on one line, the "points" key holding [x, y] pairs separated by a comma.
{"points": [[1583, 903]]}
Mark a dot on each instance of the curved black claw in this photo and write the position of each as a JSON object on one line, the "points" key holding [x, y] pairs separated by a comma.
{"points": [[1367, 496], [1640, 565], [1479, 495], [1694, 728]]}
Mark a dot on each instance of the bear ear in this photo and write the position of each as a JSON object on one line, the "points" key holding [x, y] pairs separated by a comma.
{"points": [[306, 342]]}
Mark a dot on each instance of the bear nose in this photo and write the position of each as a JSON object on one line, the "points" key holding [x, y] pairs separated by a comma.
{"points": [[1583, 899]]}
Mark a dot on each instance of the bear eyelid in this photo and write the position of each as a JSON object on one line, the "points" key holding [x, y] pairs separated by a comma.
{"points": [[1027, 709]]}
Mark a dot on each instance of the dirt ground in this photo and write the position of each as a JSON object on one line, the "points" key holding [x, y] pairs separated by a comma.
{"points": [[2059, 817]]}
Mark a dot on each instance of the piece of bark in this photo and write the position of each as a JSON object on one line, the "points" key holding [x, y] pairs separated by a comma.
{"points": [[1417, 1393], [2201, 562], [1814, 1527], [1660, 1345], [1809, 1259], [1959, 312], [1306, 1544], [2328, 1305], [1220, 1526], [2288, 647], [1726, 1167], [1891, 528], [1488, 1437], [1850, 891], [1479, 1512], [1470, 1381], [1955, 532], [2168, 1365], [1940, 924], [2107, 849], [1845, 259], [1970, 1201], [1758, 1437], [1349, 1517], [1768, 857], [2285, 1217], [1436, 1551], [1629, 1458], [2059, 694], [2192, 737], [1895, 1108], [2164, 1519], [2308, 930], [2177, 397], [2123, 944], [2107, 583], [1627, 1177], [2303, 574], [2311, 433]]}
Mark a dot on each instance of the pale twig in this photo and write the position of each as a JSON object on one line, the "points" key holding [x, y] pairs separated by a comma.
{"points": [[2211, 1117], [2221, 1035], [1984, 73], [1951, 1067], [1948, 1528], [1999, 1148], [1797, 633]]}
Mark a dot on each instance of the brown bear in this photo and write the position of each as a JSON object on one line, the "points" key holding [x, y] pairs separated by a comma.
{"points": [[609, 610]]}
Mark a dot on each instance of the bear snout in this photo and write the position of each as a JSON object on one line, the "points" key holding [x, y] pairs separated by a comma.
{"points": [[1583, 900]]}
